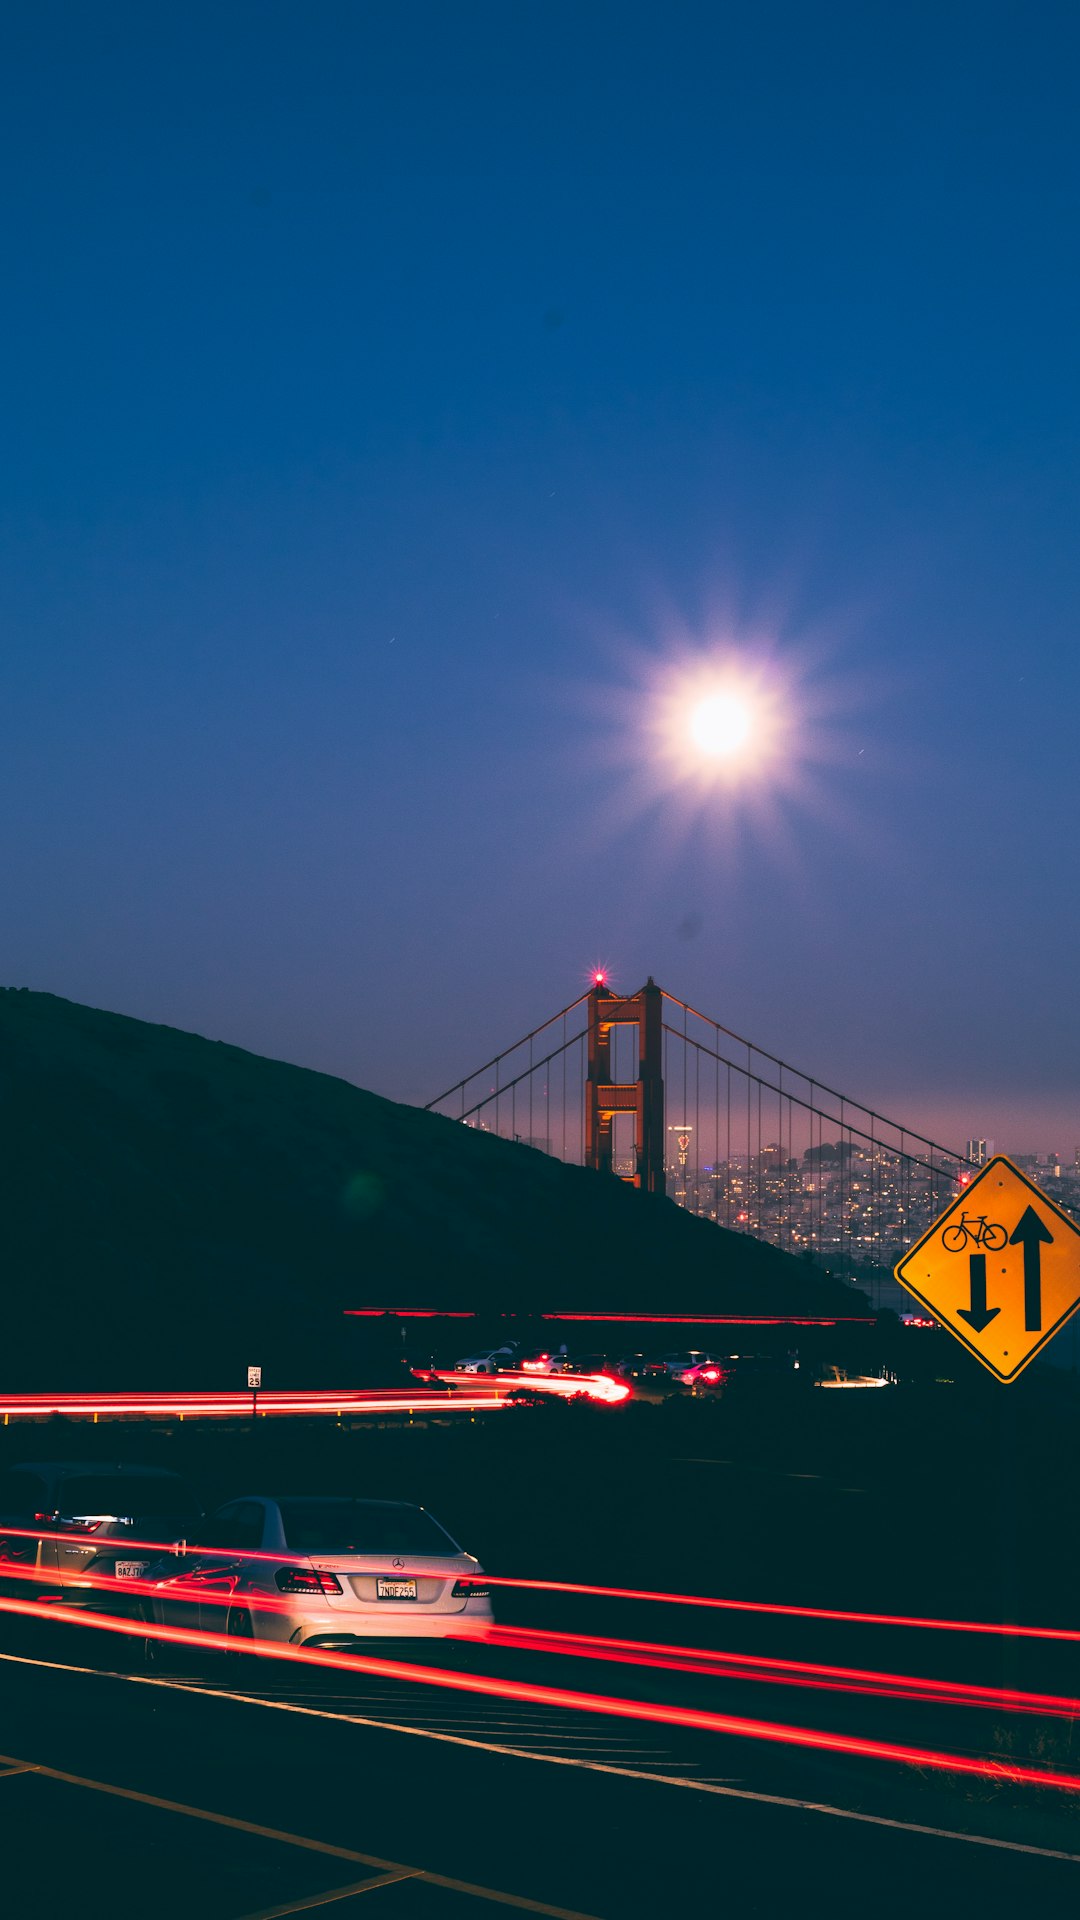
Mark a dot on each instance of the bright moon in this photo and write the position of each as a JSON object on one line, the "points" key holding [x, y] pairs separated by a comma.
{"points": [[720, 725]]}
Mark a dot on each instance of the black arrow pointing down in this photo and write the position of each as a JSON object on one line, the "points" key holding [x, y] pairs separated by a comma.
{"points": [[978, 1315]]}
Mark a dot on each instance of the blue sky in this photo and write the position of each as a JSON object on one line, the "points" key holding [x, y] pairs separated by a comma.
{"points": [[395, 399]]}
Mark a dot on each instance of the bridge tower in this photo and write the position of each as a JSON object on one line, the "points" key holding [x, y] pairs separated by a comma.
{"points": [[643, 1097]]}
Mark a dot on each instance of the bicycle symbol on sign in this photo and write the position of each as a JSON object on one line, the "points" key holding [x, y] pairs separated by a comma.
{"points": [[976, 1228]]}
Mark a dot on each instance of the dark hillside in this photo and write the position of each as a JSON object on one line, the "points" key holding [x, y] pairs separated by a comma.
{"points": [[173, 1207]]}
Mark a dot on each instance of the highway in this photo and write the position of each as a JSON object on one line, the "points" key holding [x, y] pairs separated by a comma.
{"points": [[224, 1790], [460, 1393], [800, 1740]]}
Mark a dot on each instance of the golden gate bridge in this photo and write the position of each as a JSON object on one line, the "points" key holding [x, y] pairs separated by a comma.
{"points": [[646, 1088]]}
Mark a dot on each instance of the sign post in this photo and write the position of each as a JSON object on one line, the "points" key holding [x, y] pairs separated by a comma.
{"points": [[254, 1382], [1000, 1268]]}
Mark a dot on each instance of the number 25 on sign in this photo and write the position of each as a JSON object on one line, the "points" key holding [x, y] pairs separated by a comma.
{"points": [[1000, 1268]]}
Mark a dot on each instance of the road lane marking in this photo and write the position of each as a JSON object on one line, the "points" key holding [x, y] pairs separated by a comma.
{"points": [[542, 1759], [389, 1869], [335, 1893]]}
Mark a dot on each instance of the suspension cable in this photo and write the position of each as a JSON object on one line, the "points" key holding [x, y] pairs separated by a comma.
{"points": [[523, 1042], [774, 1060], [842, 1122]]}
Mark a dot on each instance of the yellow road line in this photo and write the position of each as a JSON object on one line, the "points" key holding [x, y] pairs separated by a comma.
{"points": [[335, 1893], [715, 1787], [390, 1867]]}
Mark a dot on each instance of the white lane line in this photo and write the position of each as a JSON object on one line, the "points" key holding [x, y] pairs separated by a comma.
{"points": [[564, 1760], [477, 1724]]}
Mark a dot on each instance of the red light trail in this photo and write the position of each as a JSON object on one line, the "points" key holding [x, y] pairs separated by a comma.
{"points": [[472, 1398], [239, 1405], [695, 1718], [596, 1386], [718, 1664], [772, 1607], [408, 1313], [719, 1319], [791, 1612], [794, 1673], [121, 1544], [625, 1319]]}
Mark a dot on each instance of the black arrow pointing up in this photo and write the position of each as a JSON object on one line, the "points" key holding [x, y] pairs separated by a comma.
{"points": [[1032, 1233], [978, 1315]]}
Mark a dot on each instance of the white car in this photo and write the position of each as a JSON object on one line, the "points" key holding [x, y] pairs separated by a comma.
{"points": [[694, 1368], [492, 1360], [323, 1572]]}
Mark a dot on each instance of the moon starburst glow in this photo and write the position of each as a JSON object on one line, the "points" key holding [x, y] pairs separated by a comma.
{"points": [[727, 732], [721, 724]]}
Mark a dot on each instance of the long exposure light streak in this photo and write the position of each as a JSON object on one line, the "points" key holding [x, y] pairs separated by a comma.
{"points": [[595, 1386], [240, 1405], [190, 1588], [794, 1673], [470, 1398], [772, 1607], [122, 1544], [786, 1611], [716, 1663], [720, 1319], [628, 1319], [410, 1313], [527, 1692]]}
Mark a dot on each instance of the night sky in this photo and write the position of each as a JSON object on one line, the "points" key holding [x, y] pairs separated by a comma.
{"points": [[402, 404]]}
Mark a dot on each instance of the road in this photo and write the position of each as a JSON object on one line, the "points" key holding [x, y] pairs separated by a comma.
{"points": [[231, 1793], [841, 1503]]}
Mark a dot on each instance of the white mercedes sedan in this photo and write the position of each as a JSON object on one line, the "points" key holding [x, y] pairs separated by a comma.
{"points": [[322, 1571]]}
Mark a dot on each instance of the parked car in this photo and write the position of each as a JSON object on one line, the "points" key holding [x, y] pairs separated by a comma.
{"points": [[586, 1363], [96, 1509], [537, 1360], [693, 1368], [490, 1360], [323, 1571], [705, 1371], [639, 1367]]}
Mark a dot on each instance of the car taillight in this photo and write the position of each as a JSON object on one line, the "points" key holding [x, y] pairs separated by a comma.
{"points": [[306, 1580], [710, 1373], [470, 1590], [69, 1526]]}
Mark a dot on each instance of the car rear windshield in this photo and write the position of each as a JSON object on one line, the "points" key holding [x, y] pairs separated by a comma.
{"points": [[361, 1526], [143, 1496]]}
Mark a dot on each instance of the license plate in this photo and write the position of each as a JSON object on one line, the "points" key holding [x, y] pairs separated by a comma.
{"points": [[395, 1589], [129, 1569]]}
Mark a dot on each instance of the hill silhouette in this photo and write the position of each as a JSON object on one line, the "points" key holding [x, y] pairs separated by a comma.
{"points": [[173, 1207]]}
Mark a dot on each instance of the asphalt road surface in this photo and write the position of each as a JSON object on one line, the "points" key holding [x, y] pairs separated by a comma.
{"points": [[229, 1792]]}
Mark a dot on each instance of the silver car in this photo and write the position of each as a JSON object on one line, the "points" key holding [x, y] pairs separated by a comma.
{"points": [[490, 1360], [328, 1571], [108, 1519]]}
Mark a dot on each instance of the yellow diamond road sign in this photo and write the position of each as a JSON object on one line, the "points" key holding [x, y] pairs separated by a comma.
{"points": [[1000, 1268]]}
